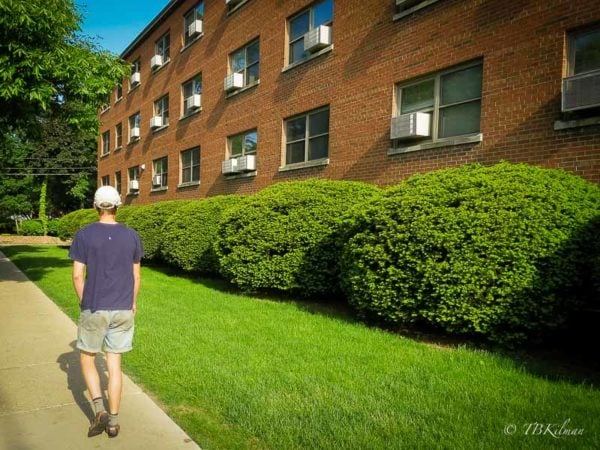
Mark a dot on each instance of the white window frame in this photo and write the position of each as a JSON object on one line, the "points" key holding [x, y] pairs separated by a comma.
{"points": [[196, 83], [106, 143], [161, 163], [134, 119], [105, 180], [118, 135], [191, 167], [244, 70], [136, 67], [133, 173], [311, 26], [162, 47], [118, 181], [161, 109], [571, 50], [435, 109], [244, 135], [197, 12], [307, 136], [119, 92]]}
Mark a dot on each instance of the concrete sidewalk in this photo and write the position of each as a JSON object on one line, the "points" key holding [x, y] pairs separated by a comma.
{"points": [[43, 399]]}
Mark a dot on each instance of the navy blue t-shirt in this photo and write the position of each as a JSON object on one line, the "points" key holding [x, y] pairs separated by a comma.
{"points": [[109, 252]]}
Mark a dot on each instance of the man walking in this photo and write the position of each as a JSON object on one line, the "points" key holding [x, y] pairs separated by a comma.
{"points": [[106, 276]]}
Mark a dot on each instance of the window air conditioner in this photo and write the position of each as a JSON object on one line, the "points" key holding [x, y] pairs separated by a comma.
{"points": [[156, 122], [157, 180], [135, 78], [233, 82], [317, 38], [195, 27], [156, 61], [581, 91], [229, 166], [135, 133], [193, 101], [411, 126], [134, 185], [246, 163]]}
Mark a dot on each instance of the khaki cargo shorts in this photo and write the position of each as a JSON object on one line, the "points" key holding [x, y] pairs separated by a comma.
{"points": [[111, 331]]}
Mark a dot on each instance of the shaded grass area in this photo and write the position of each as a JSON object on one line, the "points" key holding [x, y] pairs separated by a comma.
{"points": [[242, 372]]}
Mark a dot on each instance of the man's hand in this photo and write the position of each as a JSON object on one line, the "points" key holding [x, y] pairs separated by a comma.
{"points": [[134, 308]]}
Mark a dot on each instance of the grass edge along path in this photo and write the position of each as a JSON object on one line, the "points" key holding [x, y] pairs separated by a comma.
{"points": [[238, 372]]}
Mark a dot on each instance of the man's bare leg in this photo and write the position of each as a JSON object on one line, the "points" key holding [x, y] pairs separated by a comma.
{"points": [[115, 382], [90, 373], [92, 380]]}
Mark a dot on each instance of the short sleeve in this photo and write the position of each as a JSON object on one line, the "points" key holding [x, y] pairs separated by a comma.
{"points": [[139, 249], [77, 252]]}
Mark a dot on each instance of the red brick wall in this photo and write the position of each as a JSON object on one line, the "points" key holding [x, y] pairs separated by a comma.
{"points": [[522, 45]]}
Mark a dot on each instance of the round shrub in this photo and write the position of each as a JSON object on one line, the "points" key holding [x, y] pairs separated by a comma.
{"points": [[72, 222], [496, 251], [191, 231], [53, 227], [149, 222], [32, 227], [126, 214], [286, 237]]}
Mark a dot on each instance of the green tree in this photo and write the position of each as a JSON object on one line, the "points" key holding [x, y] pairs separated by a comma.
{"points": [[52, 82]]}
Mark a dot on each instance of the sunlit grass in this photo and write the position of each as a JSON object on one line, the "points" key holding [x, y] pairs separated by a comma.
{"points": [[242, 372]]}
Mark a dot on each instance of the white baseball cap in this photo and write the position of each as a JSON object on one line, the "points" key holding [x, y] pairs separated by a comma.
{"points": [[107, 197]]}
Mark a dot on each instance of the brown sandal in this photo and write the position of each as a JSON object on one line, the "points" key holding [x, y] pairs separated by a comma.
{"points": [[113, 431], [98, 424]]}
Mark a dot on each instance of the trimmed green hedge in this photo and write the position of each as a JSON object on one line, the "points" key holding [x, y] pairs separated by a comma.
{"points": [[32, 227], [149, 221], [502, 252], [190, 232], [72, 222], [286, 236]]}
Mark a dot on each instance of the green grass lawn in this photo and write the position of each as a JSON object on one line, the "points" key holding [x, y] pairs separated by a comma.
{"points": [[242, 372]]}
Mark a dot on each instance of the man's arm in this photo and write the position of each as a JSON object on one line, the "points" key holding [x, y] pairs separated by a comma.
{"points": [[136, 285], [78, 278]]}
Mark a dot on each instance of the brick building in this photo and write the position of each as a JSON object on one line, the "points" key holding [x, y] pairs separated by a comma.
{"points": [[231, 96]]}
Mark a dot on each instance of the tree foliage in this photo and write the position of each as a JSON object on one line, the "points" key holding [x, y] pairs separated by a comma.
{"points": [[52, 82]]}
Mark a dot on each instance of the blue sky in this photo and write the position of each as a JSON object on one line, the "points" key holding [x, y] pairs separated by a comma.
{"points": [[115, 23]]}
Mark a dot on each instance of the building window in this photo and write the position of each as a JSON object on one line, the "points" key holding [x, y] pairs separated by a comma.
{"points": [[135, 78], [407, 7], [192, 95], [119, 91], [118, 181], [105, 106], [243, 144], [134, 127], [245, 62], [190, 166], [105, 180], [307, 137], [161, 47], [105, 143], [133, 174], [452, 99], [584, 52], [192, 29], [234, 5], [161, 110], [320, 13], [118, 136], [160, 168]]}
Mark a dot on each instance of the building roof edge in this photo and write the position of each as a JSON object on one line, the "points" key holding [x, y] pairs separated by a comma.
{"points": [[160, 18]]}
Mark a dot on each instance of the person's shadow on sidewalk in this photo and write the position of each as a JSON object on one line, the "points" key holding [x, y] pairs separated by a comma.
{"points": [[70, 364]]}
